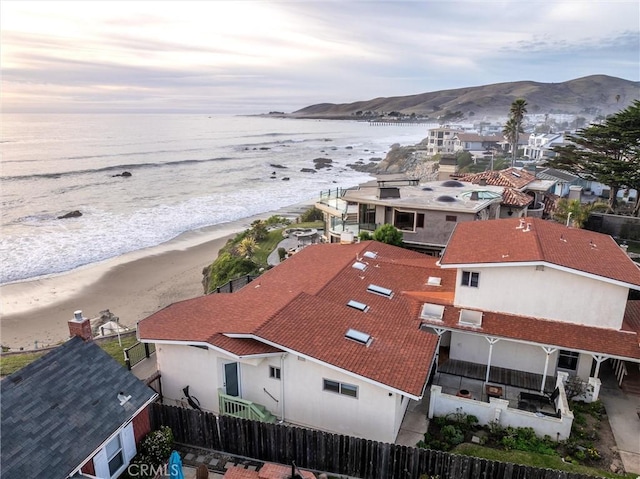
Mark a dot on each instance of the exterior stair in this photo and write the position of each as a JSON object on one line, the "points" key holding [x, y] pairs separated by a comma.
{"points": [[238, 407], [631, 382]]}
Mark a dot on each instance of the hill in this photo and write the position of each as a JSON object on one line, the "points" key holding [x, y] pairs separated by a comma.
{"points": [[589, 96]]}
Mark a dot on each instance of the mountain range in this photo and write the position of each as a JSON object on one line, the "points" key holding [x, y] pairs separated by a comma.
{"points": [[589, 96]]}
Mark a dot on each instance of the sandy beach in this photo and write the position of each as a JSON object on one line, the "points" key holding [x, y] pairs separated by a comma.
{"points": [[131, 286]]}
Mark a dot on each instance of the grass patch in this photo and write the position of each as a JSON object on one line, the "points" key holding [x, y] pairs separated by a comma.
{"points": [[10, 363], [543, 461]]}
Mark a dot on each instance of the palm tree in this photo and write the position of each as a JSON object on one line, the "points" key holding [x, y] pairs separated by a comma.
{"points": [[246, 247], [573, 213], [516, 113], [510, 132]]}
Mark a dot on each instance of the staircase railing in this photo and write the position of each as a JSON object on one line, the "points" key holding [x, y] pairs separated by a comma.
{"points": [[237, 407]]}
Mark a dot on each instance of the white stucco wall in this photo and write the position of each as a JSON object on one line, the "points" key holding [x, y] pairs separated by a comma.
{"points": [[375, 414], [549, 294], [511, 355]]}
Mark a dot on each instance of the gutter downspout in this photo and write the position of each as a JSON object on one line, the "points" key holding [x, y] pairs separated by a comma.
{"points": [[282, 376]]}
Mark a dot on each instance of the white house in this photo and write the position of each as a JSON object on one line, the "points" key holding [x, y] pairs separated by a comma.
{"points": [[328, 339]]}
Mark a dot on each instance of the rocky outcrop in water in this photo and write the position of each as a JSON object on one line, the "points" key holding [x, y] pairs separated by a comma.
{"points": [[125, 174], [71, 214]]}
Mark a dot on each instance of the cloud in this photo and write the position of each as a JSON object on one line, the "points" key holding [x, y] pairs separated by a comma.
{"points": [[224, 55]]}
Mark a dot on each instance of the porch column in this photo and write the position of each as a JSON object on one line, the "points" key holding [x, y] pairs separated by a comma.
{"points": [[599, 359], [549, 351], [492, 341], [439, 332]]}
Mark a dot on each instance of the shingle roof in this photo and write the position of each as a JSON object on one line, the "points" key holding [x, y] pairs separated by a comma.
{"points": [[301, 305], [547, 332], [57, 410], [501, 241], [511, 177]]}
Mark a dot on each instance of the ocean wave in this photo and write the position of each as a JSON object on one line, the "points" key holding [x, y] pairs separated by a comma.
{"points": [[106, 169]]}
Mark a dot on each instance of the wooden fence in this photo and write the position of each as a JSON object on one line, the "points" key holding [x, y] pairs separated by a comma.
{"points": [[332, 453]]}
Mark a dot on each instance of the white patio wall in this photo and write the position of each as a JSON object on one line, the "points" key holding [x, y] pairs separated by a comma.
{"points": [[498, 410]]}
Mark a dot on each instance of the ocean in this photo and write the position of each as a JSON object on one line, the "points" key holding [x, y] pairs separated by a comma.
{"points": [[187, 172]]}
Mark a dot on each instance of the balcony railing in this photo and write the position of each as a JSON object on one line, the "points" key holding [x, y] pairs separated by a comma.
{"points": [[137, 353], [237, 407]]}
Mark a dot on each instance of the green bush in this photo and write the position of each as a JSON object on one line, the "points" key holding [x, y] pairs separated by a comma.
{"points": [[388, 234], [154, 450], [311, 215], [282, 253], [364, 236], [227, 267]]}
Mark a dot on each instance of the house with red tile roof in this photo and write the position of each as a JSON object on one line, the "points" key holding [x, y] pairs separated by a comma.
{"points": [[551, 298], [340, 337], [328, 339]]}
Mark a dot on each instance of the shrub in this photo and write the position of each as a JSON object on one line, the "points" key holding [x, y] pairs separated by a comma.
{"points": [[364, 236], [282, 253], [388, 234], [311, 215], [154, 450]]}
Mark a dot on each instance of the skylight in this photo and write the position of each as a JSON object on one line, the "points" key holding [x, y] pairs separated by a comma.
{"points": [[358, 336], [371, 254], [434, 281], [471, 318], [432, 311], [374, 288], [359, 265], [357, 305]]}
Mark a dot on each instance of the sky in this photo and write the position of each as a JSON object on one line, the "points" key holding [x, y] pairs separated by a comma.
{"points": [[258, 56]]}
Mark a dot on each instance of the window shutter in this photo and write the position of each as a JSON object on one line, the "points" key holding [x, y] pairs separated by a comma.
{"points": [[101, 464], [128, 443]]}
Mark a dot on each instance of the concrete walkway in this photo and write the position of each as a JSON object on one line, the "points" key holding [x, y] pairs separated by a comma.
{"points": [[623, 417]]}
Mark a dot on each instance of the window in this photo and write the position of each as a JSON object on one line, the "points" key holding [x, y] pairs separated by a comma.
{"points": [[340, 388], [420, 220], [451, 218], [470, 279], [115, 457], [274, 372], [374, 288], [404, 220], [568, 360]]}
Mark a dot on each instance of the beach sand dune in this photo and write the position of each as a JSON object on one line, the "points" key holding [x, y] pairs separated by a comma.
{"points": [[132, 286]]}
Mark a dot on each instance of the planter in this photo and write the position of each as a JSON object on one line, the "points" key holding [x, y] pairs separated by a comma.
{"points": [[464, 393]]}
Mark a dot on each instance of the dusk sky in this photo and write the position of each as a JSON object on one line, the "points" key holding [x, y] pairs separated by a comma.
{"points": [[255, 57]]}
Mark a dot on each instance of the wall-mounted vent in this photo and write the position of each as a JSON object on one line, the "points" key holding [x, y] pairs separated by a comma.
{"points": [[374, 288], [357, 305], [432, 311], [470, 318], [434, 281], [370, 254], [358, 336], [359, 265]]}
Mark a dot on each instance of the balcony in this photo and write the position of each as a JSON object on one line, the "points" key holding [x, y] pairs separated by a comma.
{"points": [[237, 407]]}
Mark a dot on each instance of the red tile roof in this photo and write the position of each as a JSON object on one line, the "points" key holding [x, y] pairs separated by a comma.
{"points": [[500, 241], [631, 321], [512, 197], [301, 305], [546, 332], [511, 177]]}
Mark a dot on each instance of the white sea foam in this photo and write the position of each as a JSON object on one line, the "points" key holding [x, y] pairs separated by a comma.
{"points": [[210, 175]]}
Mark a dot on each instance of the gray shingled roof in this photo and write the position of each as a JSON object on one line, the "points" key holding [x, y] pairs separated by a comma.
{"points": [[57, 410]]}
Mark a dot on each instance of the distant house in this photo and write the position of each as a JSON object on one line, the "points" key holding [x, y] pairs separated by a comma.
{"points": [[477, 145], [540, 146], [72, 412], [426, 213], [524, 194], [441, 140]]}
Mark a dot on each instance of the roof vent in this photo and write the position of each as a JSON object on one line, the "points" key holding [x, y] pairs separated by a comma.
{"points": [[359, 265], [446, 199], [452, 184], [528, 228], [358, 336], [434, 281], [432, 311], [517, 175], [374, 288], [370, 254], [475, 196], [357, 305], [521, 225]]}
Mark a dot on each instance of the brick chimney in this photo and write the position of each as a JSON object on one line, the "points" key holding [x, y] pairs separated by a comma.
{"points": [[80, 326]]}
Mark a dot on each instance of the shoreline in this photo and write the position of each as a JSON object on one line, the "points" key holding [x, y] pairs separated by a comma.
{"points": [[132, 286]]}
